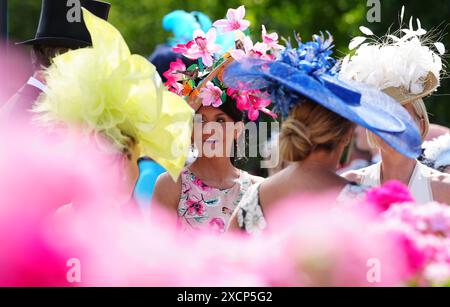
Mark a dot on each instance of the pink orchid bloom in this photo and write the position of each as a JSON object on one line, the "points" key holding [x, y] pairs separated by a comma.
{"points": [[183, 48], [252, 101], [175, 70], [259, 51], [271, 40], [211, 95], [203, 46], [174, 87], [173, 76], [258, 102], [235, 21]]}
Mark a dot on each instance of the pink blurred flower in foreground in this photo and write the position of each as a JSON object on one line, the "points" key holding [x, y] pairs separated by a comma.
{"points": [[59, 170], [335, 247], [202, 46], [426, 233], [211, 95], [393, 192], [235, 21]]}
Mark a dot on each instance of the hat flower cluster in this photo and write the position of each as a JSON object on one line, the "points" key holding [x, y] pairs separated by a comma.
{"points": [[193, 81]]}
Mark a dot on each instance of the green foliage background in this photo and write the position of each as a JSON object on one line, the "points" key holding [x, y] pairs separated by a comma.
{"points": [[140, 23]]}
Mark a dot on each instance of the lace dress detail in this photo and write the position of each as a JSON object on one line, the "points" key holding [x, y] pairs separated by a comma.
{"points": [[205, 208]]}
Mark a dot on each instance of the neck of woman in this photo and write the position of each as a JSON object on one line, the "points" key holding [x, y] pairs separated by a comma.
{"points": [[395, 166], [319, 171], [215, 170], [321, 161]]}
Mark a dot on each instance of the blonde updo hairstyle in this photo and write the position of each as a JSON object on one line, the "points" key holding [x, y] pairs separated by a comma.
{"points": [[309, 128]]}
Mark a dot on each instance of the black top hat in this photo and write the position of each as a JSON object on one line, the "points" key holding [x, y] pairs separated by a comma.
{"points": [[59, 27]]}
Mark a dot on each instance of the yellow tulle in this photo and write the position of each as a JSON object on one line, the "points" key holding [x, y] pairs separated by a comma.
{"points": [[107, 90]]}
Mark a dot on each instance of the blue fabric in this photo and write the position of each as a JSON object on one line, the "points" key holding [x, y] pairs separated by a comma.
{"points": [[182, 24], [149, 173], [310, 72]]}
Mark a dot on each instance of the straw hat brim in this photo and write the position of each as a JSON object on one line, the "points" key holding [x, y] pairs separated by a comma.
{"points": [[196, 102], [404, 97]]}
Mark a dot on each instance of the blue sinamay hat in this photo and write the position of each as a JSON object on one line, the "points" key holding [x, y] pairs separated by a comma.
{"points": [[310, 72]]}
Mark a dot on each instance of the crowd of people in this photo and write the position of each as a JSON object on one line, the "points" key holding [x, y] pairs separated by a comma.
{"points": [[347, 125]]}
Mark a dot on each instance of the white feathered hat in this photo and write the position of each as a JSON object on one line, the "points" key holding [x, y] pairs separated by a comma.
{"points": [[404, 66], [437, 152]]}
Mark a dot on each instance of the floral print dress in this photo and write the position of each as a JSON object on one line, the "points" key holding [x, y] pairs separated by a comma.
{"points": [[205, 208]]}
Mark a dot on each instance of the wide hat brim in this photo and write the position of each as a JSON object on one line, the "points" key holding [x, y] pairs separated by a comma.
{"points": [[55, 29], [373, 110], [57, 42]]}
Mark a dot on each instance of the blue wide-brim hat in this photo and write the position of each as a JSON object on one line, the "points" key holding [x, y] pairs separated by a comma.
{"points": [[309, 72]]}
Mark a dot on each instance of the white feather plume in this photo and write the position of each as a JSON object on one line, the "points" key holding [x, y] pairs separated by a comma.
{"points": [[395, 61]]}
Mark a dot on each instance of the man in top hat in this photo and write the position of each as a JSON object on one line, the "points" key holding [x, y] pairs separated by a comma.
{"points": [[61, 28]]}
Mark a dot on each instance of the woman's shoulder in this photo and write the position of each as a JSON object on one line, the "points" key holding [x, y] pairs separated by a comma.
{"points": [[165, 180], [165, 191]]}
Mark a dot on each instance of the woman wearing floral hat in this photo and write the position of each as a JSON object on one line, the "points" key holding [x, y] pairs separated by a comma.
{"points": [[407, 69], [320, 113], [209, 190]]}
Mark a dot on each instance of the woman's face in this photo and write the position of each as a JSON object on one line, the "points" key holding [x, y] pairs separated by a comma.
{"points": [[218, 132], [420, 122]]}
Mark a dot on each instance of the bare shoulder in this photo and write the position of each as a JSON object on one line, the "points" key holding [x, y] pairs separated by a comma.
{"points": [[167, 192], [440, 184]]}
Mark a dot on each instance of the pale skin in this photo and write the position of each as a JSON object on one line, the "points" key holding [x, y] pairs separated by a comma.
{"points": [[395, 166], [314, 175], [216, 172]]}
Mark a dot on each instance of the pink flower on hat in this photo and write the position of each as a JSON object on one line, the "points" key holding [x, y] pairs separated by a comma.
{"points": [[174, 75], [252, 101], [211, 95], [271, 40], [258, 50], [202, 46], [235, 21]]}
